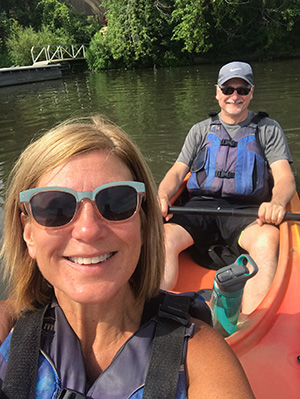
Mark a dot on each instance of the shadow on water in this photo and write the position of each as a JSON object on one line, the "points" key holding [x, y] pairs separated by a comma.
{"points": [[155, 107]]}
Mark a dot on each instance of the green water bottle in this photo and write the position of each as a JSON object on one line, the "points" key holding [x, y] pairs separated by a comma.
{"points": [[227, 294]]}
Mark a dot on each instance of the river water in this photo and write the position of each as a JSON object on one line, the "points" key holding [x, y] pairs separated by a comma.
{"points": [[155, 107]]}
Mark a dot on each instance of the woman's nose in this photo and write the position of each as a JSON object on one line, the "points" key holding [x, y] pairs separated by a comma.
{"points": [[89, 225]]}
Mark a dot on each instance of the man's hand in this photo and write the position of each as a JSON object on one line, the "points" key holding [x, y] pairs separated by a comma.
{"points": [[283, 191], [170, 185], [270, 212], [164, 204]]}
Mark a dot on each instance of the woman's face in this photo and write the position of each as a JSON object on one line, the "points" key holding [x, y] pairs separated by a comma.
{"points": [[91, 259]]}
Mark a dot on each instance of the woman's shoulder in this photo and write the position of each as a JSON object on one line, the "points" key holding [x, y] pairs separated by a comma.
{"points": [[8, 318], [206, 338], [212, 367]]}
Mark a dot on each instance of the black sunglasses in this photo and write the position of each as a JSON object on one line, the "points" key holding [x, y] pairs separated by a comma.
{"points": [[241, 91], [58, 206]]}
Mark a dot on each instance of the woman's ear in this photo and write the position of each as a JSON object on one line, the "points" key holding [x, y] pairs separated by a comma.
{"points": [[23, 217], [28, 235]]}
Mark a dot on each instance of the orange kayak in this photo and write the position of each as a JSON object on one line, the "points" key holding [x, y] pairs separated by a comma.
{"points": [[267, 343]]}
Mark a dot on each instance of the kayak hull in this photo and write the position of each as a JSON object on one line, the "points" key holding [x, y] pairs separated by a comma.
{"points": [[267, 342]]}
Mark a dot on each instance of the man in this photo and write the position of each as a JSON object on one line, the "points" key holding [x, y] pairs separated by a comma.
{"points": [[233, 157]]}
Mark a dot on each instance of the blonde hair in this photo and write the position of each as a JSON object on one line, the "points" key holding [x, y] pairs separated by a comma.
{"points": [[27, 286]]}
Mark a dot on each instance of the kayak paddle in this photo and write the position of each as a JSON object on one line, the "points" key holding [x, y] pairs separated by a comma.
{"points": [[227, 212]]}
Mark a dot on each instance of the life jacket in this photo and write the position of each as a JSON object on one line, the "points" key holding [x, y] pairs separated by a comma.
{"points": [[234, 168], [150, 361]]}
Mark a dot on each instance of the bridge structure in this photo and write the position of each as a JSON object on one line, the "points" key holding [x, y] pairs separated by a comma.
{"points": [[51, 54]]}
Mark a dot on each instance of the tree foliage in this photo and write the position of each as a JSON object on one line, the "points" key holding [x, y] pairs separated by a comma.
{"points": [[99, 55], [22, 39], [25, 12], [237, 27], [142, 33], [60, 17], [138, 34], [39, 22], [192, 25]]}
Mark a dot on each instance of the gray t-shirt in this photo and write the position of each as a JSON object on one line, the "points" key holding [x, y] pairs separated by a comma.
{"points": [[271, 137]]}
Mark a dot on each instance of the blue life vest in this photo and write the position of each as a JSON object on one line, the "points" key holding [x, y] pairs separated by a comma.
{"points": [[124, 378], [234, 168], [61, 372]]}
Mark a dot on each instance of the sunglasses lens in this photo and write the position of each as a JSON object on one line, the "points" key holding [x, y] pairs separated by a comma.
{"points": [[117, 203], [227, 90], [241, 91], [53, 208]]}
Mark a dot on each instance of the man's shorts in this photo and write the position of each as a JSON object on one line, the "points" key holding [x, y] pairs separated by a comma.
{"points": [[209, 230]]}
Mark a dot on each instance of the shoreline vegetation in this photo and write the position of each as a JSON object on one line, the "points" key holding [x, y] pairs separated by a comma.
{"points": [[160, 33]]}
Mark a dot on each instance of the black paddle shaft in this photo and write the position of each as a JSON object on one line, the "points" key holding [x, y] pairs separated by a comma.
{"points": [[226, 212]]}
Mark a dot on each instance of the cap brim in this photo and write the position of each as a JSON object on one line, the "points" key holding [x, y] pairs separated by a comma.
{"points": [[222, 81]]}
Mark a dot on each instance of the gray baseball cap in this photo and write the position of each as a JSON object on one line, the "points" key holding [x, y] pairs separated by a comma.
{"points": [[236, 69]]}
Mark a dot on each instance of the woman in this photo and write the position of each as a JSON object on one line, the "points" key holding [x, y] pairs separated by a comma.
{"points": [[83, 250]]}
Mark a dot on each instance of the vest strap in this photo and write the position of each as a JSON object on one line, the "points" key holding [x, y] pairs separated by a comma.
{"points": [[229, 143], [224, 175], [259, 116], [162, 377], [69, 394], [22, 364]]}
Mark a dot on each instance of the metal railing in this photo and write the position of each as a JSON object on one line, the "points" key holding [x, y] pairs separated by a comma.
{"points": [[55, 53]]}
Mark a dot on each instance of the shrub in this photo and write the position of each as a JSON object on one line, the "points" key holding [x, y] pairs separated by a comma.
{"points": [[21, 40], [98, 55]]}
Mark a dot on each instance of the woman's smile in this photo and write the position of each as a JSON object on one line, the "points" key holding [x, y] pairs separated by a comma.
{"points": [[90, 261]]}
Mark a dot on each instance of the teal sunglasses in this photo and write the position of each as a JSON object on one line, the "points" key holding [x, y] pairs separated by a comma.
{"points": [[58, 206]]}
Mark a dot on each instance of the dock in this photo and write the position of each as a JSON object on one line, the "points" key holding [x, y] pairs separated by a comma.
{"points": [[29, 74]]}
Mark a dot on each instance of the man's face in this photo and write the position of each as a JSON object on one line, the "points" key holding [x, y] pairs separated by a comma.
{"points": [[234, 107]]}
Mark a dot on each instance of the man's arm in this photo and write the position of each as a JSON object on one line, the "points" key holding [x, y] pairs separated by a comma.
{"points": [[170, 185], [283, 191]]}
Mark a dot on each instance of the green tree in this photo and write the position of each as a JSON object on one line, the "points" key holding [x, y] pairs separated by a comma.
{"points": [[5, 60], [138, 35], [39, 22], [98, 55], [55, 14], [142, 33], [234, 27], [131, 30], [277, 23], [60, 17], [25, 12], [192, 24]]}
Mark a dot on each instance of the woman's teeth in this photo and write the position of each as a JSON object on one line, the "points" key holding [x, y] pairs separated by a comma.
{"points": [[90, 261]]}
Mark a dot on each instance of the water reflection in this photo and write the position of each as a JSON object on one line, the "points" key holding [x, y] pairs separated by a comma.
{"points": [[155, 107]]}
